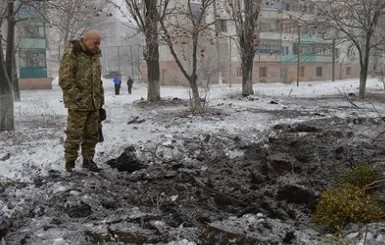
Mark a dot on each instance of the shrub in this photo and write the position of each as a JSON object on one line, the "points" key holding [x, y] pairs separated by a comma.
{"points": [[359, 176], [344, 204], [338, 240], [348, 201]]}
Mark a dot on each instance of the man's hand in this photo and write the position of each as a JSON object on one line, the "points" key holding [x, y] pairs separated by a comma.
{"points": [[102, 114]]}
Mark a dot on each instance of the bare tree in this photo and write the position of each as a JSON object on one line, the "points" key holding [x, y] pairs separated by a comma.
{"points": [[13, 8], [191, 33], [72, 18], [147, 16], [378, 56], [381, 36], [356, 21], [6, 97], [7, 69], [10, 45], [6, 92], [245, 15], [211, 61], [10, 59]]}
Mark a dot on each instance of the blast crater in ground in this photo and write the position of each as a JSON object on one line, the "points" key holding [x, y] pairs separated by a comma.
{"points": [[197, 188]]}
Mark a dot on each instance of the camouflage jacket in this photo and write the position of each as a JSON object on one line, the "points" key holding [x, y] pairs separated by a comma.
{"points": [[80, 78]]}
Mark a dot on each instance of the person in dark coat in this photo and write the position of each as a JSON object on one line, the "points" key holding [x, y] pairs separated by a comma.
{"points": [[117, 83], [129, 84]]}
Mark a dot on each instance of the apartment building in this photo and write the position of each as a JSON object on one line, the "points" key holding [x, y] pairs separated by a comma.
{"points": [[288, 50], [31, 50]]}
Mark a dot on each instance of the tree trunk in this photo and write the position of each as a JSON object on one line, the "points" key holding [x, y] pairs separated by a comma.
{"points": [[152, 51], [363, 77], [362, 85], [15, 83], [153, 92], [6, 97], [246, 18], [247, 62], [197, 103], [247, 77], [10, 61], [364, 72]]}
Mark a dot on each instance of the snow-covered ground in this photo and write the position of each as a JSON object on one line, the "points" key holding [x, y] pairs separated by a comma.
{"points": [[35, 147], [40, 119]]}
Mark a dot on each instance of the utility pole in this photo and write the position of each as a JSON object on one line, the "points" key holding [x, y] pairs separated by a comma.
{"points": [[118, 50], [298, 53], [333, 59], [132, 62], [138, 64], [230, 66], [217, 42]]}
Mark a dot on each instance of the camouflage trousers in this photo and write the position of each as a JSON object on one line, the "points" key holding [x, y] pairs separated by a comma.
{"points": [[82, 131]]}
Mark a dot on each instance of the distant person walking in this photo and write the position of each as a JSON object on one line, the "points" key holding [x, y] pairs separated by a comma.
{"points": [[129, 84], [117, 83]]}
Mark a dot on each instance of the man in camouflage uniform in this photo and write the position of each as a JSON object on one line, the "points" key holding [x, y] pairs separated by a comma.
{"points": [[83, 95]]}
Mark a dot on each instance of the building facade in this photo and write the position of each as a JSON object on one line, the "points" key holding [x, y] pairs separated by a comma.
{"points": [[31, 50], [288, 50]]}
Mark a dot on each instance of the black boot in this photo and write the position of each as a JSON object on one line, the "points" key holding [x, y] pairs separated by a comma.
{"points": [[90, 165], [70, 165]]}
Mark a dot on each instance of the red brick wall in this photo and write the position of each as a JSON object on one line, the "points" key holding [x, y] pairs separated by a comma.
{"points": [[170, 74], [35, 83]]}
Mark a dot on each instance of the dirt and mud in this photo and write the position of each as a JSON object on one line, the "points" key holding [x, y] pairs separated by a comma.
{"points": [[213, 188]]}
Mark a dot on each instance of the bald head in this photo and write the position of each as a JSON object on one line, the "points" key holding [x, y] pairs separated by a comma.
{"points": [[92, 40]]}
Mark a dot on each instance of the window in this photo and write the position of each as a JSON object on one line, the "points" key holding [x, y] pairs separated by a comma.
{"points": [[263, 72], [337, 53], [196, 11], [28, 12], [269, 46], [289, 26], [272, 5], [32, 58], [318, 71], [32, 31], [307, 48], [263, 26], [284, 50], [348, 71], [222, 25], [241, 4], [313, 49], [221, 3], [307, 8], [322, 49], [267, 27], [290, 5]]}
